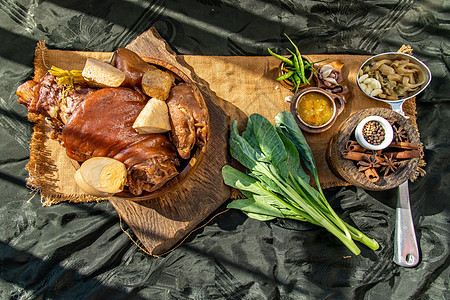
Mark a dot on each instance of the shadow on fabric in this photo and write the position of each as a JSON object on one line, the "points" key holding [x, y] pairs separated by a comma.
{"points": [[40, 277]]}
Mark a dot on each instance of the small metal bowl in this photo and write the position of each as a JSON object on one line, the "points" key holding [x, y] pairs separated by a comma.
{"points": [[397, 104]]}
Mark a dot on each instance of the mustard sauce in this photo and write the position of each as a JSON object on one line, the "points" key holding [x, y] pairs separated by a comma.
{"points": [[314, 108]]}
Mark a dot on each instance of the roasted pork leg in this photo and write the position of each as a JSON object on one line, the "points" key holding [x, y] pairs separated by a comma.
{"points": [[102, 126], [89, 122]]}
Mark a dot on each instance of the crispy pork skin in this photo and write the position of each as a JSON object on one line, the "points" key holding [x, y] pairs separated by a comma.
{"points": [[189, 119], [102, 126]]}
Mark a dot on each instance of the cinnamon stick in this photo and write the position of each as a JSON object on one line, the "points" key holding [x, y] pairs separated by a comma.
{"points": [[357, 148], [354, 146], [404, 145], [353, 155], [358, 156], [404, 154], [372, 175], [350, 142]]}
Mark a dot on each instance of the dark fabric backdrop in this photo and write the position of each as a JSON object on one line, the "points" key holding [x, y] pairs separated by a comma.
{"points": [[78, 251]]}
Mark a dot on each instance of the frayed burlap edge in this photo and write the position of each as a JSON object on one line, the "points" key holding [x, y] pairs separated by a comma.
{"points": [[40, 68], [40, 163], [55, 199], [35, 173], [411, 108]]}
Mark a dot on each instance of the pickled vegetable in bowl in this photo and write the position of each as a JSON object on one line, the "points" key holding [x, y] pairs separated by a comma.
{"points": [[315, 109], [393, 76]]}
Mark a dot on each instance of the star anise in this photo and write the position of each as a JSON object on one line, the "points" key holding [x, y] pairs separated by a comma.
{"points": [[400, 134], [389, 165], [368, 162]]}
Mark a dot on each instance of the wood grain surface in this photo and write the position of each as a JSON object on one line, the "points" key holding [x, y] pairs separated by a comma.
{"points": [[348, 170], [162, 222]]}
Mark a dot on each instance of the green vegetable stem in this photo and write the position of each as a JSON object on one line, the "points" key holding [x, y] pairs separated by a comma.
{"points": [[276, 185], [287, 61]]}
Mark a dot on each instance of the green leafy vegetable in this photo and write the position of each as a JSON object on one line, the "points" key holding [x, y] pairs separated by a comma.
{"points": [[276, 186]]}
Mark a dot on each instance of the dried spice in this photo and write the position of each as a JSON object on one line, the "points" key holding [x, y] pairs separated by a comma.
{"points": [[373, 132], [377, 152], [400, 134], [348, 148], [384, 162], [369, 162], [389, 165]]}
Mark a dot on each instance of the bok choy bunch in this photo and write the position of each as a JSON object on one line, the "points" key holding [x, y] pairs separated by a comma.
{"points": [[276, 186]]}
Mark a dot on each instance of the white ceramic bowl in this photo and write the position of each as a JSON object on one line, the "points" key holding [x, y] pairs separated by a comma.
{"points": [[388, 133]]}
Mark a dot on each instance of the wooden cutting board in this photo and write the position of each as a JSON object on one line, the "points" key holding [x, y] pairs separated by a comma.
{"points": [[162, 222]]}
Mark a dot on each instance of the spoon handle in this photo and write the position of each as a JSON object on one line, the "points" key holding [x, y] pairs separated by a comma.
{"points": [[406, 251]]}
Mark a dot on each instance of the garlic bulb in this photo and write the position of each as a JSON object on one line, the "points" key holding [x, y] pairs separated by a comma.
{"points": [[329, 75], [370, 85]]}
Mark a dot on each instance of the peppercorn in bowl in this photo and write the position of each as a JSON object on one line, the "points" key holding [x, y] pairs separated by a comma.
{"points": [[374, 133]]}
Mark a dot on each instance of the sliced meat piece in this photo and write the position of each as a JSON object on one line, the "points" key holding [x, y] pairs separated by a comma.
{"points": [[189, 119], [26, 92], [102, 126]]}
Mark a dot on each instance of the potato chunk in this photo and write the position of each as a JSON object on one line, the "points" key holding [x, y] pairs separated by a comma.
{"points": [[153, 118], [157, 83], [100, 74]]}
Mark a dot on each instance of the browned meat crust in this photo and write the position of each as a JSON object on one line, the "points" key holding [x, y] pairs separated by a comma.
{"points": [[132, 65], [189, 119], [48, 98], [102, 126], [89, 122]]}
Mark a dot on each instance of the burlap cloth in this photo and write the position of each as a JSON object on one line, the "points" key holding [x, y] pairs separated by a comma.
{"points": [[242, 86]]}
